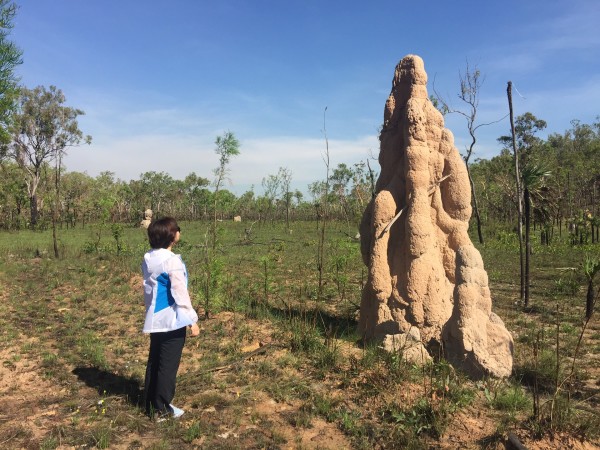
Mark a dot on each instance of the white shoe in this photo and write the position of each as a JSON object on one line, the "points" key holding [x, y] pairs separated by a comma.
{"points": [[177, 412]]}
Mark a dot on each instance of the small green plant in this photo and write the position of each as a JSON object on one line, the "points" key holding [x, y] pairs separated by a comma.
{"points": [[101, 437], [92, 348], [511, 399], [193, 432], [117, 234], [49, 443], [568, 286], [49, 360]]}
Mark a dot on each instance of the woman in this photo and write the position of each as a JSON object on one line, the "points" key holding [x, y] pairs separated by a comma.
{"points": [[168, 312]]}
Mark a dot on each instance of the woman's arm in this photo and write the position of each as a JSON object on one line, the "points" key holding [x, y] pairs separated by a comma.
{"points": [[179, 290]]}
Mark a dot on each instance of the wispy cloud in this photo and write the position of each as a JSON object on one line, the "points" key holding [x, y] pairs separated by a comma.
{"points": [[179, 156]]}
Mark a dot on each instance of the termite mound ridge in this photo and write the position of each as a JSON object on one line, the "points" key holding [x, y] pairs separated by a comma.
{"points": [[424, 271]]}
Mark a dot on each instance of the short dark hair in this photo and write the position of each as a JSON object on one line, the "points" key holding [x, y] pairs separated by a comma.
{"points": [[161, 232]]}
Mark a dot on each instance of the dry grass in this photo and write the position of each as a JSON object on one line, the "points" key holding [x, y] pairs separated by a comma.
{"points": [[73, 356]]}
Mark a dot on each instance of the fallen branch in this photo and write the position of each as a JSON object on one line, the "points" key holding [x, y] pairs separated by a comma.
{"points": [[238, 361]]}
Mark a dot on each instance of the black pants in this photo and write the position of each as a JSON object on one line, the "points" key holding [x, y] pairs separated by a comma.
{"points": [[161, 371]]}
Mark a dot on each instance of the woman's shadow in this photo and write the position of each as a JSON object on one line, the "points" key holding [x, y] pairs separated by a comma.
{"points": [[107, 383]]}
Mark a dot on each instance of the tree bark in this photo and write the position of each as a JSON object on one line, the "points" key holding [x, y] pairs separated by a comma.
{"points": [[527, 242], [34, 210], [589, 302], [475, 206], [518, 183]]}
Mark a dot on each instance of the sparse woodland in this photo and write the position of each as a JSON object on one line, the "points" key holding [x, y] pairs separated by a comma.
{"points": [[279, 363]]}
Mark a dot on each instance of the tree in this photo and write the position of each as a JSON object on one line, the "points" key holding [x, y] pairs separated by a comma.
{"points": [[10, 57], [513, 141], [271, 185], [12, 196], [44, 129], [591, 267], [286, 180], [227, 147], [277, 187], [526, 126], [533, 177], [339, 181], [324, 209], [522, 141], [470, 87], [194, 188], [157, 186], [76, 187]]}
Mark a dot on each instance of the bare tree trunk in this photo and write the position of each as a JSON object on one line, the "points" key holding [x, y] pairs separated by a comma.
{"points": [[34, 210], [321, 243], [519, 196], [589, 300], [56, 203], [527, 242], [475, 205]]}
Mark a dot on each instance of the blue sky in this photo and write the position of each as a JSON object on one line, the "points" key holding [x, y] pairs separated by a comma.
{"points": [[160, 80]]}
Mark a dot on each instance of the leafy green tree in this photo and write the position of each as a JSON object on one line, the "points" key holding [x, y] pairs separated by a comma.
{"points": [[227, 147], [246, 204], [526, 127], [271, 185], [286, 195], [194, 188], [277, 191], [340, 189], [158, 187], [76, 187], [44, 129], [13, 199], [10, 57]]}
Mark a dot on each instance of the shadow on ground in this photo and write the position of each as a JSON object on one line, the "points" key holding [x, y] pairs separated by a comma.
{"points": [[107, 383]]}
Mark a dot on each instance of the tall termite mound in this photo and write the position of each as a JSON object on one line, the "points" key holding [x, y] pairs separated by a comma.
{"points": [[424, 271]]}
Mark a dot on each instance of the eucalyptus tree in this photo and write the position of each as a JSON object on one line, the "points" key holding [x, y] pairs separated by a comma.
{"points": [[246, 204], [340, 189], [76, 187], [527, 142], [277, 190], [286, 194], [157, 188], [43, 129], [13, 199], [227, 146], [271, 185], [195, 190], [10, 58]]}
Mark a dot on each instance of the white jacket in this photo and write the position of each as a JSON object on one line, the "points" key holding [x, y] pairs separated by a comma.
{"points": [[168, 304]]}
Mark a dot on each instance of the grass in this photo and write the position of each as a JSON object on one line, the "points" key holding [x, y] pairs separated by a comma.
{"points": [[77, 323]]}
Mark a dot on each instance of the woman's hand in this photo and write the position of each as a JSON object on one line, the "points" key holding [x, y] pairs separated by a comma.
{"points": [[195, 329]]}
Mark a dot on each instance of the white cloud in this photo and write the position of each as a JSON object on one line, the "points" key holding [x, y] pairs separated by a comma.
{"points": [[181, 155]]}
